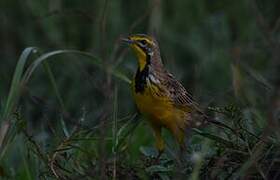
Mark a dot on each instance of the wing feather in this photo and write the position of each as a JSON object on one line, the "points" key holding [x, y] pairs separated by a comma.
{"points": [[183, 100], [178, 93]]}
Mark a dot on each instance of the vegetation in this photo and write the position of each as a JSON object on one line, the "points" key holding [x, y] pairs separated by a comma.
{"points": [[66, 110]]}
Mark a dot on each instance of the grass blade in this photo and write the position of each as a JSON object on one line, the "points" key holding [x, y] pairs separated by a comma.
{"points": [[15, 86], [20, 78], [94, 60], [13, 97]]}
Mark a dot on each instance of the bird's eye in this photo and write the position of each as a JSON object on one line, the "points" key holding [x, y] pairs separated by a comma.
{"points": [[143, 42]]}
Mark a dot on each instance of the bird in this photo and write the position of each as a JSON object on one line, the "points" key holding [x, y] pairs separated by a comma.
{"points": [[159, 96]]}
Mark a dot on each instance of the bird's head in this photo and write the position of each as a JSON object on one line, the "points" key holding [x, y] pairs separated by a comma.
{"points": [[145, 48]]}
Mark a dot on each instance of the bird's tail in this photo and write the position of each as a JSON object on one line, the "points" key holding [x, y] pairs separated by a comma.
{"points": [[201, 119]]}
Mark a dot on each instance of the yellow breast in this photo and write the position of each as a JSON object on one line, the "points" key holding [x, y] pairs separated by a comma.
{"points": [[159, 110]]}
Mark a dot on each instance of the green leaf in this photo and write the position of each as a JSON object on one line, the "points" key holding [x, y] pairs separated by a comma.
{"points": [[94, 60], [12, 100], [156, 169], [21, 78], [163, 176], [215, 138], [148, 151], [15, 86]]}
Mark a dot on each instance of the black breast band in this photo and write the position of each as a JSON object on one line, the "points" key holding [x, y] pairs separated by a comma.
{"points": [[140, 78]]}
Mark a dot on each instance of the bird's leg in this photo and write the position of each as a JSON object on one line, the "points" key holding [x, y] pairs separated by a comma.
{"points": [[179, 135], [183, 148], [159, 140]]}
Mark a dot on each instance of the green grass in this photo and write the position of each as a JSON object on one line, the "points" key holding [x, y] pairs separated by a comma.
{"points": [[66, 110], [244, 150]]}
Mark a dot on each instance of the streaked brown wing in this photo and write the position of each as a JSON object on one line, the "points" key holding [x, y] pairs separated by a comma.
{"points": [[178, 93], [183, 100]]}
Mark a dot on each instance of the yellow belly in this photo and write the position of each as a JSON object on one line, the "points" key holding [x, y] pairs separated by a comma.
{"points": [[160, 111]]}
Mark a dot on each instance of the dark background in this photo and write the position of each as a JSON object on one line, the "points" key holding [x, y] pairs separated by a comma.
{"points": [[225, 53]]}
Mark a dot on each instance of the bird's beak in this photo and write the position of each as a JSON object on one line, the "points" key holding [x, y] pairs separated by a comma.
{"points": [[127, 41]]}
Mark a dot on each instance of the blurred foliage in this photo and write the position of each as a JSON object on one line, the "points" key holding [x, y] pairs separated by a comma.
{"points": [[75, 117]]}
